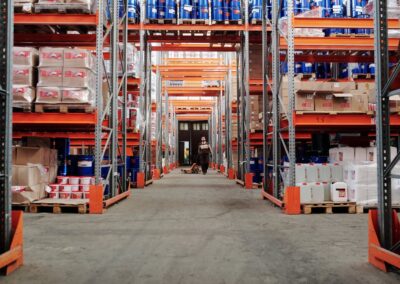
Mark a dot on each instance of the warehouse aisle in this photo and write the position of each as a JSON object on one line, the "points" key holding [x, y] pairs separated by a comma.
{"points": [[196, 229]]}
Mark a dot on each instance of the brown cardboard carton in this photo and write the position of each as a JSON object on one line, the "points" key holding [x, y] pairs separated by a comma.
{"points": [[28, 175], [14, 154], [359, 102], [323, 101], [343, 87], [23, 75], [304, 101], [342, 102], [365, 86], [23, 94], [394, 103], [75, 57], [74, 77], [315, 86], [32, 155], [28, 194]]}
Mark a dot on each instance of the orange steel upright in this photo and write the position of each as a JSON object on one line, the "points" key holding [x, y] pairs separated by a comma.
{"points": [[292, 200], [156, 174], [378, 256], [248, 180], [140, 180], [231, 174], [14, 258], [222, 169], [96, 199]]}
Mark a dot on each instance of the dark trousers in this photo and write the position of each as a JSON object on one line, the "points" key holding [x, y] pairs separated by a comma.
{"points": [[204, 167]]}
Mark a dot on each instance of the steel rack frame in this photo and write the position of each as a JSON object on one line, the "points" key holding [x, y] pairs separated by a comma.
{"points": [[6, 44]]}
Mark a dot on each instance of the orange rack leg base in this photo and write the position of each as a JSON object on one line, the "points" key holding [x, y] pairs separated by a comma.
{"points": [[292, 200], [378, 256], [231, 174], [222, 169], [248, 181], [140, 180], [96, 199], [165, 170], [14, 258], [156, 174]]}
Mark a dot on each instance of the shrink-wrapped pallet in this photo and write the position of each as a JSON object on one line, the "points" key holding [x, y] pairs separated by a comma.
{"points": [[77, 95], [74, 57], [74, 77], [24, 75]]}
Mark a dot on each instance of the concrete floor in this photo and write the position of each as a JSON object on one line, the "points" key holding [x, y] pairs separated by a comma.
{"points": [[196, 229]]}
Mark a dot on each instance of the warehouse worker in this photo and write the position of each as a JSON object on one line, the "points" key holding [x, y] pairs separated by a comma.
{"points": [[204, 154]]}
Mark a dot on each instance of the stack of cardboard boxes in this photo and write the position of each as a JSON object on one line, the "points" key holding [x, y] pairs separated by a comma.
{"points": [[33, 168], [256, 103], [25, 60]]}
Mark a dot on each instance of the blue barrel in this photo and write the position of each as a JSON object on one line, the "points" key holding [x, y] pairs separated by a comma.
{"points": [[307, 68], [298, 67], [255, 10], [355, 70], [321, 70], [132, 10], [235, 10], [217, 14], [85, 165], [186, 9], [363, 67], [357, 11], [301, 6], [203, 11], [152, 10], [170, 9], [217, 3], [72, 165], [372, 68], [343, 70]]}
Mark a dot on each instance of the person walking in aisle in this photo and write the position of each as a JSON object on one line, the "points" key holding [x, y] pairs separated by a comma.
{"points": [[204, 154]]}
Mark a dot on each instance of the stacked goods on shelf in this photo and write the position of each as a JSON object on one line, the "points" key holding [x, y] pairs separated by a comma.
{"points": [[327, 96], [65, 6], [359, 173], [25, 60], [256, 109], [70, 188], [132, 61], [133, 10], [24, 6], [255, 64], [66, 77], [368, 89], [320, 182], [33, 168]]}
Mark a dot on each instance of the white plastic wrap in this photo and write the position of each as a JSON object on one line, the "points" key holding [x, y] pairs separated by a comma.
{"points": [[23, 75], [74, 57], [78, 78], [51, 56], [48, 95], [50, 76], [25, 56], [23, 94], [77, 95], [311, 32]]}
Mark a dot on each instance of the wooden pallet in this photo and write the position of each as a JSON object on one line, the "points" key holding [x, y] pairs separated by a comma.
{"points": [[70, 8], [306, 76], [352, 35], [255, 22], [20, 207], [329, 207], [301, 112], [58, 207], [160, 21], [64, 108], [363, 76], [23, 8], [360, 209]]}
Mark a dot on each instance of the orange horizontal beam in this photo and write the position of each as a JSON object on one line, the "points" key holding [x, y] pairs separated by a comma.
{"points": [[188, 111], [192, 103], [300, 22], [71, 135], [337, 43], [91, 142], [55, 118], [56, 19], [197, 27], [192, 117], [203, 67]]}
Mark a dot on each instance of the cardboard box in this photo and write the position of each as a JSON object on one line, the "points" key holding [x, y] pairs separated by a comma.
{"points": [[75, 57], [23, 75], [359, 102], [51, 56], [343, 87], [366, 86], [78, 78], [32, 155], [48, 95], [314, 86], [25, 56], [394, 103], [29, 194], [28, 175], [323, 101], [304, 101], [25, 94], [50, 76], [342, 102], [77, 95]]}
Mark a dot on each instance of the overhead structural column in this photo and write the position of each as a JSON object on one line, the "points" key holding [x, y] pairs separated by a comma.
{"points": [[6, 44]]}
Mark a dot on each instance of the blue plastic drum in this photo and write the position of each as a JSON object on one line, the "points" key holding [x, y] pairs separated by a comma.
{"points": [[186, 9], [85, 165]]}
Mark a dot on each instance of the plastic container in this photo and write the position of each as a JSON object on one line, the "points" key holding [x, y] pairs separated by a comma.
{"points": [[62, 180], [185, 10], [339, 192], [74, 180], [65, 191], [85, 180], [317, 192], [132, 10], [305, 192]]}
